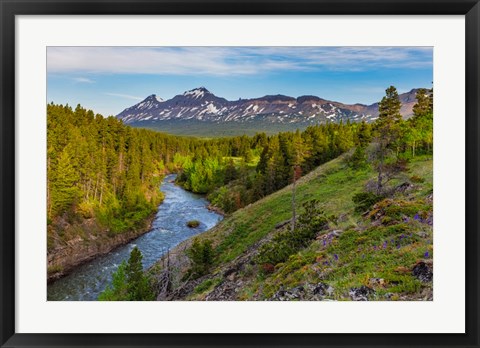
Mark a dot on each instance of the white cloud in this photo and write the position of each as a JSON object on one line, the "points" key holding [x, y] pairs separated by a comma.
{"points": [[125, 96], [83, 80], [231, 60]]}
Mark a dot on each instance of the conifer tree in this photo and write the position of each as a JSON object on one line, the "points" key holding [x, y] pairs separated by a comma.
{"points": [[424, 103], [129, 281], [387, 134], [63, 191], [137, 282]]}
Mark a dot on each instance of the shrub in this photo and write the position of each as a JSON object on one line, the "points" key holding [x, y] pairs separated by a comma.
{"points": [[193, 223], [365, 200], [397, 210], [289, 242], [86, 209], [416, 179], [54, 269], [358, 159], [268, 268], [201, 256], [129, 282]]}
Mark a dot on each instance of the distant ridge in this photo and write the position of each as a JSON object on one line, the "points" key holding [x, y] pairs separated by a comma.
{"points": [[200, 105]]}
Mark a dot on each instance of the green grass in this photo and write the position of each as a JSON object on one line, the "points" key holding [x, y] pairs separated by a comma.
{"points": [[206, 285], [330, 183]]}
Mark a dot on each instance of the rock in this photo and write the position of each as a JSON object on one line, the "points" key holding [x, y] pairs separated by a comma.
{"points": [[403, 187], [422, 272], [229, 272], [429, 198], [299, 289], [342, 217], [337, 233], [323, 289], [361, 294], [422, 234], [193, 223], [329, 236], [284, 296], [74, 241], [376, 282], [307, 292]]}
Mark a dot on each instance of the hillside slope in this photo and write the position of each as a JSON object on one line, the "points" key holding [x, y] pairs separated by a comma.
{"points": [[381, 254]]}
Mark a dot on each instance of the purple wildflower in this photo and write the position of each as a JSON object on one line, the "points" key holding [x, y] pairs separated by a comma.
{"points": [[398, 246], [426, 255], [374, 247], [385, 245], [416, 217], [324, 242], [335, 256]]}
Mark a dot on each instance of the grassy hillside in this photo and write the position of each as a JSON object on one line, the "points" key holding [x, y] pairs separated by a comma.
{"points": [[384, 253]]}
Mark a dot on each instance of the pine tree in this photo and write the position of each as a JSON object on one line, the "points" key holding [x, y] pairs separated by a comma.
{"points": [[62, 187], [129, 282], [201, 256], [424, 103], [389, 107], [388, 132], [137, 284]]}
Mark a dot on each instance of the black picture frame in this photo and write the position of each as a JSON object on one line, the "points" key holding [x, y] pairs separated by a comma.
{"points": [[11, 8]]}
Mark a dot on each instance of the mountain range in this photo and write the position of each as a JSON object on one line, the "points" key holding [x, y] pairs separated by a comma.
{"points": [[201, 107]]}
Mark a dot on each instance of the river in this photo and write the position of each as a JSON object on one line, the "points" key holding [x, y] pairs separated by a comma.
{"points": [[169, 228]]}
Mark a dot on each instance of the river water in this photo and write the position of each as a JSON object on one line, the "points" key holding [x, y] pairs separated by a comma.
{"points": [[169, 228]]}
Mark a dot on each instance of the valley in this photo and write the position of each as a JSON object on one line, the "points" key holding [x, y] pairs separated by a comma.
{"points": [[339, 209]]}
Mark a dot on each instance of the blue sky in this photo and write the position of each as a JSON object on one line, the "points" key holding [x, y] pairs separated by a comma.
{"points": [[109, 79]]}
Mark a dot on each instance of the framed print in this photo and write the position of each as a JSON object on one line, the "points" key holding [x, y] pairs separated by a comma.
{"points": [[239, 174]]}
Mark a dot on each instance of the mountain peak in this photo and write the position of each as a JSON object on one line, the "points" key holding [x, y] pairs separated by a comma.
{"points": [[196, 93], [153, 97]]}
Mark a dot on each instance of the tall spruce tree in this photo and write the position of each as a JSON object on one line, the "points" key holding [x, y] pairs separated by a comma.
{"points": [[137, 283], [387, 134], [129, 281], [424, 103]]}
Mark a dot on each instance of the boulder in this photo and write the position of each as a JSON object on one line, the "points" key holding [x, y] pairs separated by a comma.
{"points": [[423, 272], [361, 294], [323, 289]]}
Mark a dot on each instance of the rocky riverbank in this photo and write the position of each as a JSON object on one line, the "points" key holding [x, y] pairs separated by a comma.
{"points": [[91, 243]]}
